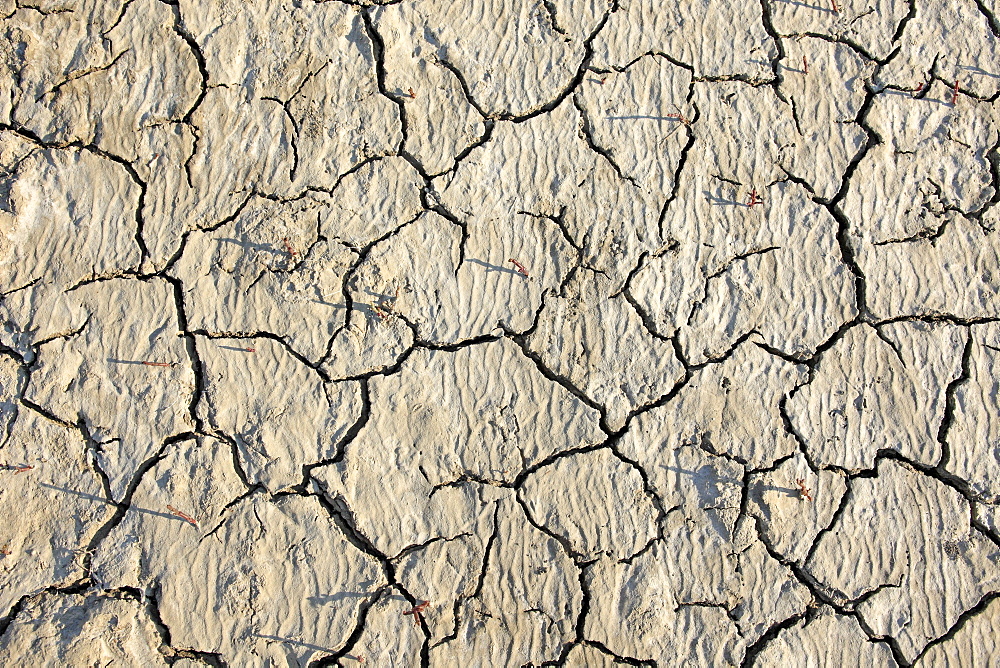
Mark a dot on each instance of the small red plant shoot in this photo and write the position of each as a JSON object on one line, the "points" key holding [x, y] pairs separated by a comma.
{"points": [[836, 9], [416, 611], [805, 65], [385, 309], [183, 516], [413, 95], [250, 350], [804, 492], [159, 363], [17, 468], [754, 199], [954, 93], [517, 265], [288, 247], [678, 116]]}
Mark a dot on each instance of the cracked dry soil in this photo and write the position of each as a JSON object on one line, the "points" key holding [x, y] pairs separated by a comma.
{"points": [[499, 333]]}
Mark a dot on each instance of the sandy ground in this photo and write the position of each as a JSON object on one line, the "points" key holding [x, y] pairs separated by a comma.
{"points": [[499, 333]]}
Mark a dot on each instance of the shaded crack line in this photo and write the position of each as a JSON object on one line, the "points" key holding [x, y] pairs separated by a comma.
{"points": [[95, 448], [911, 13], [79, 74], [251, 491], [140, 222], [480, 579], [359, 627], [652, 53], [586, 133], [689, 371], [61, 335], [438, 59], [180, 29], [681, 162], [544, 108], [937, 473], [779, 47], [234, 449], [152, 605], [938, 318], [874, 591], [585, 601], [349, 275], [649, 489], [466, 478], [951, 401], [843, 224], [722, 270], [349, 436], [834, 519], [795, 117], [294, 137], [342, 517], [753, 82], [277, 338], [639, 265], [790, 429], [488, 127], [211, 228], [991, 19], [758, 646], [559, 220], [118, 19], [190, 345], [458, 345], [410, 549], [959, 624], [892, 344], [620, 659], [441, 210], [835, 39], [378, 54], [27, 285], [647, 321], [19, 4], [610, 445], [122, 507], [819, 594], [133, 175], [550, 10], [562, 381]]}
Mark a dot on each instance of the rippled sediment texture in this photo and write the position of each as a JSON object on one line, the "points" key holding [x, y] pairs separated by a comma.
{"points": [[499, 333]]}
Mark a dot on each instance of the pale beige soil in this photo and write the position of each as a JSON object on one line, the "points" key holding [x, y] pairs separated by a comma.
{"points": [[499, 333]]}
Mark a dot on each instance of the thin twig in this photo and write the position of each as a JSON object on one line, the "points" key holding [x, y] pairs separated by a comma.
{"points": [[416, 610], [520, 267], [183, 516]]}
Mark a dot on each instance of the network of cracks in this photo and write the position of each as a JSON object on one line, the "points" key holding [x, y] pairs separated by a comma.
{"points": [[444, 333]]}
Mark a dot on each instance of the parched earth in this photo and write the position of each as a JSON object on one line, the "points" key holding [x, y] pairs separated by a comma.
{"points": [[500, 333]]}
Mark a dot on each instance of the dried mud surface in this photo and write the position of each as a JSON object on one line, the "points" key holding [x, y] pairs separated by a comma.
{"points": [[499, 333]]}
